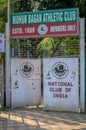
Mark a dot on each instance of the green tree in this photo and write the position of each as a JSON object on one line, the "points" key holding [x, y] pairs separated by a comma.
{"points": [[82, 7], [44, 48], [24, 5], [51, 47], [3, 15], [56, 4], [34, 5]]}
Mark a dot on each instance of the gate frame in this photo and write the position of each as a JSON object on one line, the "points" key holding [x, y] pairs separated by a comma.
{"points": [[82, 65]]}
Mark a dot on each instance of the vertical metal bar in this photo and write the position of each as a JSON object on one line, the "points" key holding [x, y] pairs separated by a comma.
{"points": [[82, 64], [8, 60]]}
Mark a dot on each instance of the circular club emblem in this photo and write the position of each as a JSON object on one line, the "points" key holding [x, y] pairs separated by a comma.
{"points": [[26, 70], [42, 29], [60, 70]]}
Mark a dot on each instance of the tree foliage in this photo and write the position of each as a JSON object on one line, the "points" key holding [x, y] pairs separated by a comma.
{"points": [[51, 45], [3, 15], [45, 47], [61, 46]]}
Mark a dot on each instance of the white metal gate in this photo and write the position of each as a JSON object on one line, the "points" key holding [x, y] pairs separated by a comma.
{"points": [[61, 84], [25, 82]]}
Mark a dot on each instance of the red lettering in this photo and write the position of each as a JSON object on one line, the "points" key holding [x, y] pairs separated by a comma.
{"points": [[56, 95], [55, 89], [67, 89]]}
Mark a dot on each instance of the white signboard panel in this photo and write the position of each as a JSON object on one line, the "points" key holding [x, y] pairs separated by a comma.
{"points": [[25, 82], [60, 82], [1, 42]]}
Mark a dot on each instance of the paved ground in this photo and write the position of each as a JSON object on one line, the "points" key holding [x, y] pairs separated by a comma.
{"points": [[32, 118]]}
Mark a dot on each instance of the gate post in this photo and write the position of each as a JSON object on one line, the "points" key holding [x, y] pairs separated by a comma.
{"points": [[7, 66], [8, 91], [82, 64]]}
